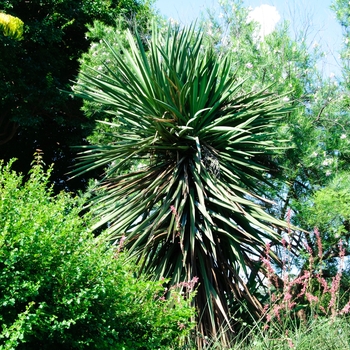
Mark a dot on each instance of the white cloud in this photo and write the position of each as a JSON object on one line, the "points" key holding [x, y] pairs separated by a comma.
{"points": [[267, 16]]}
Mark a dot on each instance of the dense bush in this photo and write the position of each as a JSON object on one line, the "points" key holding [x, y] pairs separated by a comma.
{"points": [[62, 288]]}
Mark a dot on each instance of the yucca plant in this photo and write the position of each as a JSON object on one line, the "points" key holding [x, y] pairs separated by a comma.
{"points": [[182, 175]]}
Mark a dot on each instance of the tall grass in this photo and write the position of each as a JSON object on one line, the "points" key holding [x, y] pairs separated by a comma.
{"points": [[305, 310], [318, 334]]}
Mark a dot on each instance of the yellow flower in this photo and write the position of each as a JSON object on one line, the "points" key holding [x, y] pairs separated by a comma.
{"points": [[11, 26]]}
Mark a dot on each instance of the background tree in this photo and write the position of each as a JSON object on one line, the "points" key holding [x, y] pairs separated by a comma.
{"points": [[318, 128], [35, 113], [342, 10]]}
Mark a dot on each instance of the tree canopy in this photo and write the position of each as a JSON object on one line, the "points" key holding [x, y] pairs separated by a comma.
{"points": [[36, 112]]}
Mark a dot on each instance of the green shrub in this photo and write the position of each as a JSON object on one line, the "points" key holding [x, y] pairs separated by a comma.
{"points": [[62, 288]]}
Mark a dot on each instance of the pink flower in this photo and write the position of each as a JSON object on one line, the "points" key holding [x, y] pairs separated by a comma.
{"points": [[287, 296], [345, 309], [319, 243], [334, 290], [276, 310], [308, 248], [291, 305], [311, 298], [323, 283], [181, 326], [120, 246]]}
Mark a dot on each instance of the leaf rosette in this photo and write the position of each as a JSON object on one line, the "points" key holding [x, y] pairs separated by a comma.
{"points": [[182, 177]]}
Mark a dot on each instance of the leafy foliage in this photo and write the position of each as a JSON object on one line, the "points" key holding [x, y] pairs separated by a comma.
{"points": [[329, 211], [191, 207], [61, 288]]}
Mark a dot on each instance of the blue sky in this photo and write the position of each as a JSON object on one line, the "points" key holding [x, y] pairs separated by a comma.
{"points": [[323, 27]]}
